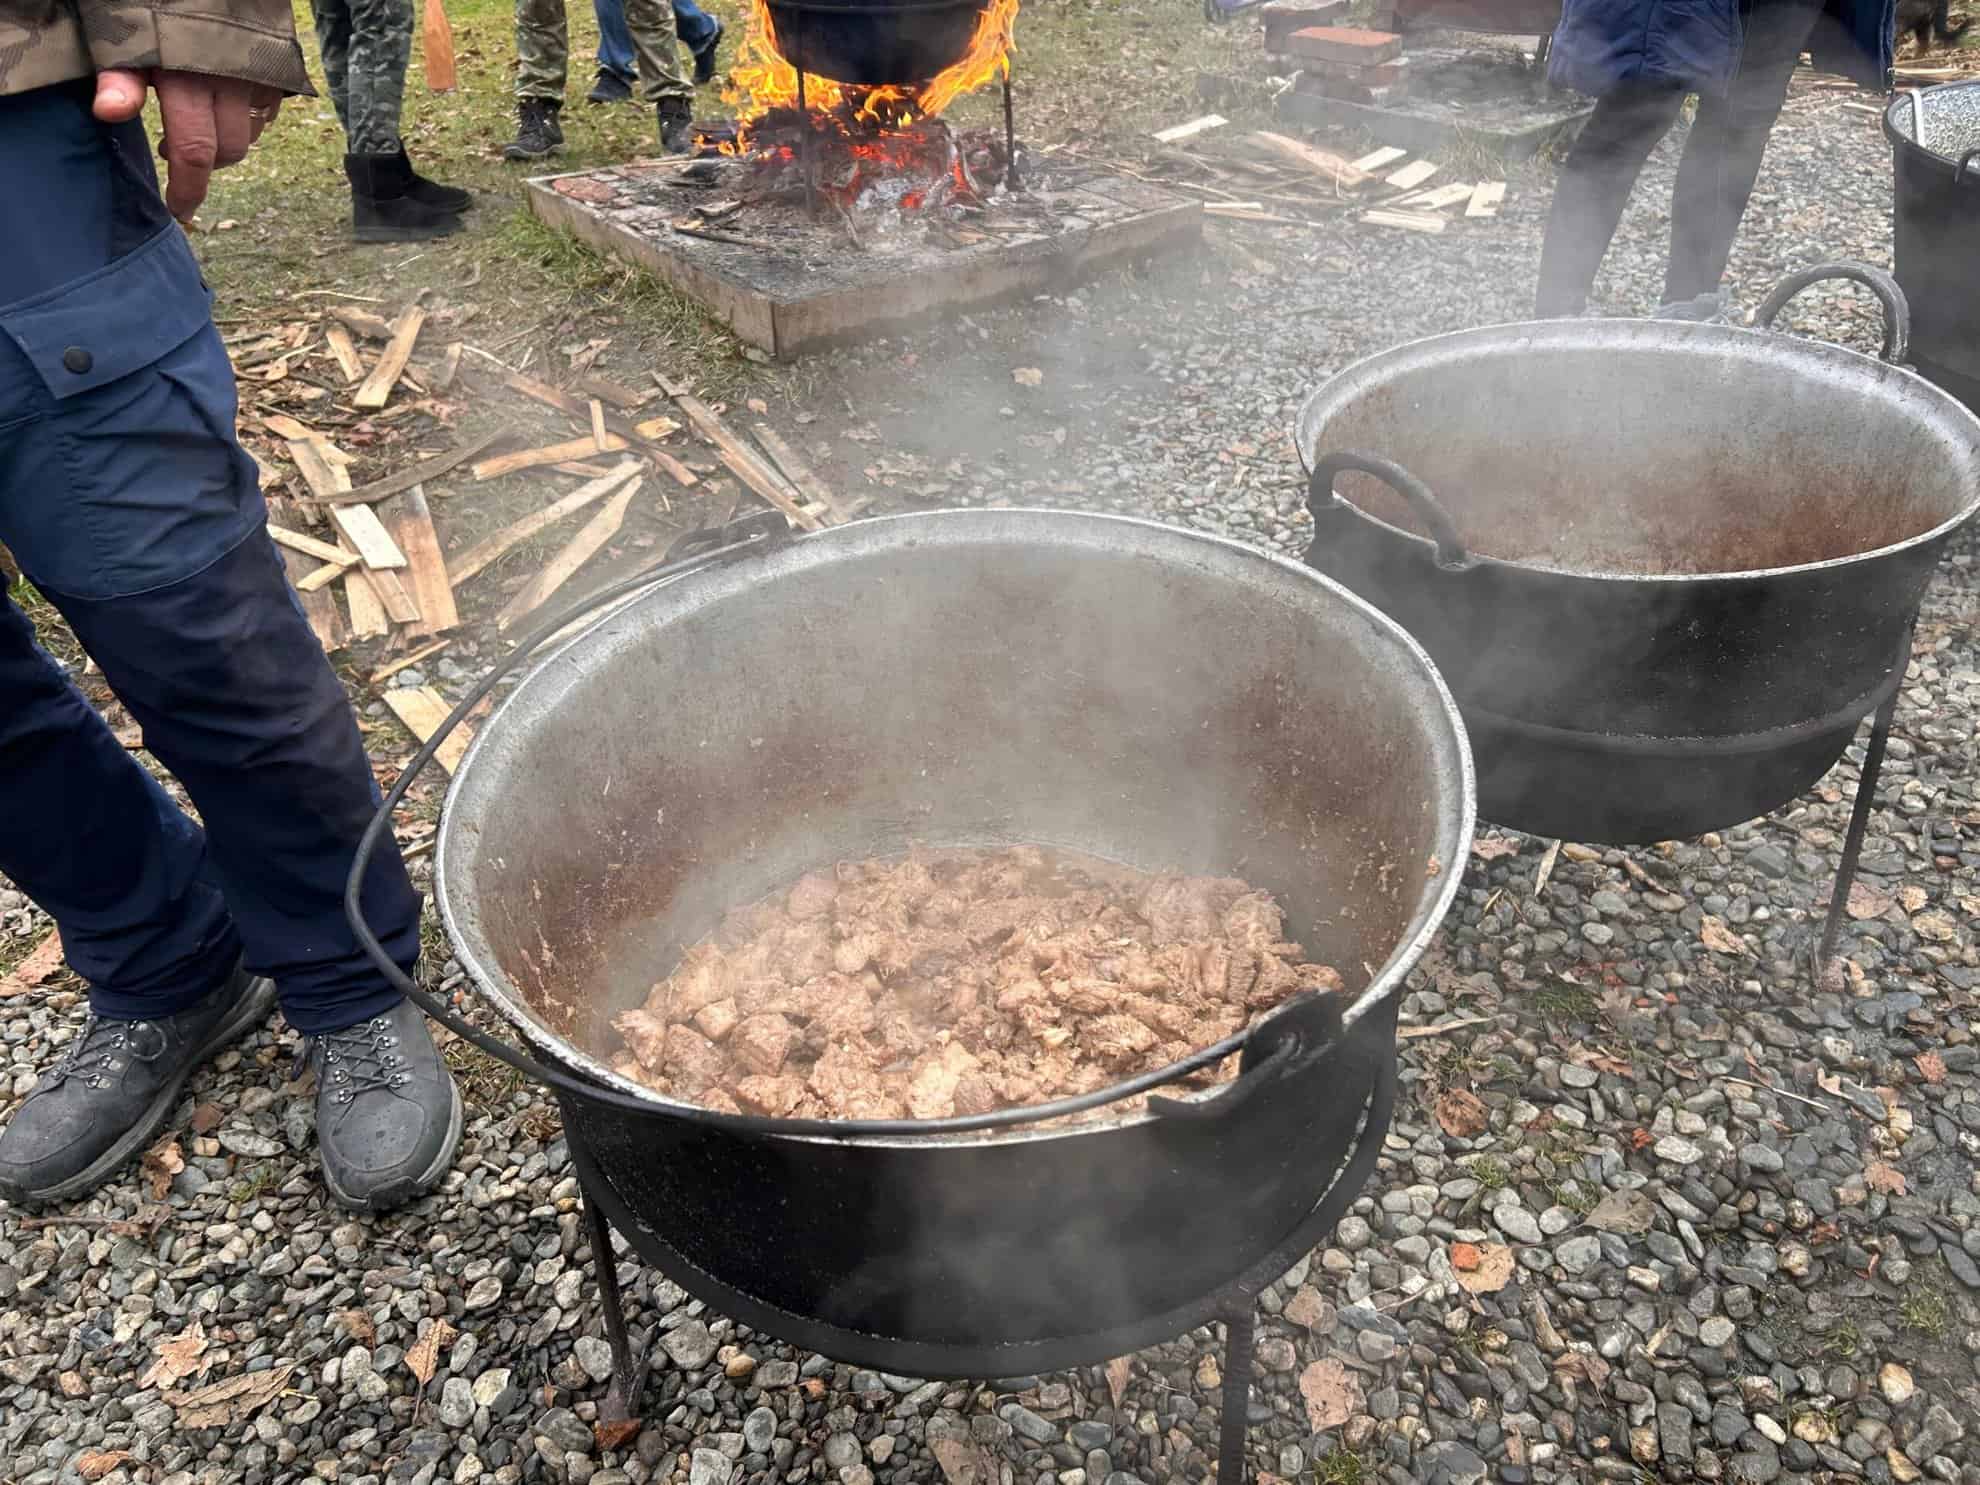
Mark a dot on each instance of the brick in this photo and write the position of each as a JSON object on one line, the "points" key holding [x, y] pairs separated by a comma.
{"points": [[1345, 44], [1283, 17]]}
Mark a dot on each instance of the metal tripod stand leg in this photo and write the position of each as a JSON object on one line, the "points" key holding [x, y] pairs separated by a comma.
{"points": [[1859, 816], [1011, 182], [1234, 1423], [628, 1371]]}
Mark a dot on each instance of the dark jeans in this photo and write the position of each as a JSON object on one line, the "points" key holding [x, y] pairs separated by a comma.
{"points": [[128, 503], [1715, 176], [694, 26]]}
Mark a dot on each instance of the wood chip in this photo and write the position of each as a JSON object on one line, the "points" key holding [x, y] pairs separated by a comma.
{"points": [[1388, 154], [422, 709], [1413, 175], [408, 522], [362, 322], [312, 546], [326, 620], [367, 611], [326, 477], [554, 453], [590, 539], [598, 434], [449, 368], [1191, 129], [1336, 170], [377, 388], [1410, 221], [345, 351], [1442, 196], [740, 461], [802, 477], [366, 534], [493, 547], [625, 398], [1485, 198]]}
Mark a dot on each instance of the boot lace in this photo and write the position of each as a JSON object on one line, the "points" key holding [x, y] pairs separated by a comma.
{"points": [[361, 1059], [102, 1049]]}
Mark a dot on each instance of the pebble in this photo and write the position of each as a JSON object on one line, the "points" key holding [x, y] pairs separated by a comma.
{"points": [[690, 1346]]}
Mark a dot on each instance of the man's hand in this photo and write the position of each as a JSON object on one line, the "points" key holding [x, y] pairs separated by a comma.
{"points": [[209, 124]]}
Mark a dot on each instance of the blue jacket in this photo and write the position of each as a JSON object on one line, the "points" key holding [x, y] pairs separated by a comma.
{"points": [[1695, 44]]}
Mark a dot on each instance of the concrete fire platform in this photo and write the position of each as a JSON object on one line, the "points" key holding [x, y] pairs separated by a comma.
{"points": [[785, 281]]}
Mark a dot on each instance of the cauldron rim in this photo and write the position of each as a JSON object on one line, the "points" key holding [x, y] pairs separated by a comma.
{"points": [[1536, 337], [493, 987]]}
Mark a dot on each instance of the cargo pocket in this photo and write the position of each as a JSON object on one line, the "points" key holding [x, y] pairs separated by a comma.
{"points": [[127, 477]]}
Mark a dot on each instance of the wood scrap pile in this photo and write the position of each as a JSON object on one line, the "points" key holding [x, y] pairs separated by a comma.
{"points": [[1275, 180]]}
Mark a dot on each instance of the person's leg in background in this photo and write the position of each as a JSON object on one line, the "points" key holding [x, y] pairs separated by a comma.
{"points": [[1593, 188], [701, 34], [543, 45], [390, 201], [662, 82], [1722, 156], [617, 67], [127, 502]]}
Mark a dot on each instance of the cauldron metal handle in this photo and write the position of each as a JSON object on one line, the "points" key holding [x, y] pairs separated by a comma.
{"points": [[692, 553], [1451, 555], [1897, 313]]}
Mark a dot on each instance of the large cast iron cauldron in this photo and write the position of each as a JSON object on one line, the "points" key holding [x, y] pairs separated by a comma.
{"points": [[1936, 193], [1666, 567], [870, 42], [1127, 689]]}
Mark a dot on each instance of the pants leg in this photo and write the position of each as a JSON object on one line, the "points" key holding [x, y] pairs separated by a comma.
{"points": [[1722, 157], [381, 46], [694, 26], [615, 46], [333, 44], [88, 834], [1594, 186], [128, 503], [658, 49], [543, 46]]}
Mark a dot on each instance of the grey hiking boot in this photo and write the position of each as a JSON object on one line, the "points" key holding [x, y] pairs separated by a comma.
{"points": [[114, 1089], [538, 132], [388, 1117], [676, 125]]}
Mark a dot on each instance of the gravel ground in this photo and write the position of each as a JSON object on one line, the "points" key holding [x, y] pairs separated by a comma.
{"points": [[1742, 1208]]}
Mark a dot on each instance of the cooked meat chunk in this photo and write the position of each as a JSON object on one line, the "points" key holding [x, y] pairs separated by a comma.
{"points": [[957, 982]]}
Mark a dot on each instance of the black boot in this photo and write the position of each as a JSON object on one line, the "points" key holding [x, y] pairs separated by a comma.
{"points": [[609, 88], [676, 126], [704, 57], [431, 192], [537, 131], [383, 207], [388, 1117]]}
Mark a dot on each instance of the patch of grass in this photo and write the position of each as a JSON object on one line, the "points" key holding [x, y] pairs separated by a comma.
{"points": [[1563, 1000], [483, 1081], [1341, 1468], [1926, 1310], [1843, 1342], [255, 1181], [1490, 1173], [1576, 1198]]}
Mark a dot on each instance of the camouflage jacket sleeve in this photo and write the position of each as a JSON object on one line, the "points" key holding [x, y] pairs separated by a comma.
{"points": [[51, 41]]}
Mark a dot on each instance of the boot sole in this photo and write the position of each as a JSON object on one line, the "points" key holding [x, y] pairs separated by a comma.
{"points": [[252, 1009], [515, 155], [407, 1188]]}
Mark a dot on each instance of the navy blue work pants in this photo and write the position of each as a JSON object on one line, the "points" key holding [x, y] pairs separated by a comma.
{"points": [[130, 506]]}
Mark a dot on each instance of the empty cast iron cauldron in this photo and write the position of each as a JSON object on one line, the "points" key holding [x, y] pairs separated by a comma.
{"points": [[1147, 694], [873, 42], [1667, 567], [1936, 234]]}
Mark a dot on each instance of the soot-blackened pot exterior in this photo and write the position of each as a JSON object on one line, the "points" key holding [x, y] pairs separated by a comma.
{"points": [[1936, 230], [1133, 691], [1711, 544], [869, 43]]}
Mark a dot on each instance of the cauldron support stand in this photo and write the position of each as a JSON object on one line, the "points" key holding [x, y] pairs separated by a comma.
{"points": [[1011, 182], [1859, 814], [1234, 1423], [621, 1404]]}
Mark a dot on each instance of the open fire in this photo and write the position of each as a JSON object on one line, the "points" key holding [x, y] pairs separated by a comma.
{"points": [[811, 122]]}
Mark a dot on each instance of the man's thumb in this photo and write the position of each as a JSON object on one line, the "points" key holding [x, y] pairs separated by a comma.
{"points": [[119, 95]]}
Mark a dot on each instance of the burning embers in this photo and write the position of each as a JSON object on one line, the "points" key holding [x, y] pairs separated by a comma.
{"points": [[844, 101]]}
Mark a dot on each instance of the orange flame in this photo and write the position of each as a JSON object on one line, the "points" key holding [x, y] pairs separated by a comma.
{"points": [[762, 80]]}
